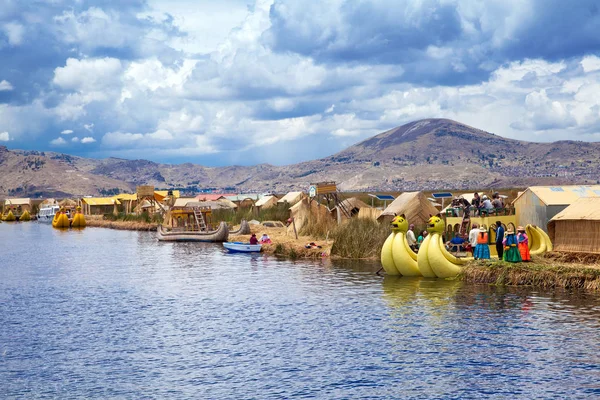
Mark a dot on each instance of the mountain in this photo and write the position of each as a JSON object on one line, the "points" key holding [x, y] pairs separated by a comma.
{"points": [[422, 155]]}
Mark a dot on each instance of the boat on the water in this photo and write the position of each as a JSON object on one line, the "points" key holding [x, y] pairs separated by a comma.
{"points": [[244, 229], [240, 247], [191, 224], [46, 214], [182, 235]]}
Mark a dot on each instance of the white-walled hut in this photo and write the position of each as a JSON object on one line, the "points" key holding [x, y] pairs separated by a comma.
{"points": [[577, 227], [539, 204], [414, 205]]}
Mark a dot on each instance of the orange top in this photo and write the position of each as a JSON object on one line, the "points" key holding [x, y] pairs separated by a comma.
{"points": [[482, 238]]}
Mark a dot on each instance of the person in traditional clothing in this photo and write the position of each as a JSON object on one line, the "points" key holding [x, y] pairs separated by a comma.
{"points": [[523, 244], [511, 251], [482, 250]]}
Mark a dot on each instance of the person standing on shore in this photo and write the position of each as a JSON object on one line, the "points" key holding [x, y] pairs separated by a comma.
{"points": [[499, 239], [473, 237], [511, 253], [523, 244], [410, 237]]}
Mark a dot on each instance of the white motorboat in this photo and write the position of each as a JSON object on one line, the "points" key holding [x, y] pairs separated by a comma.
{"points": [[240, 247], [46, 214]]}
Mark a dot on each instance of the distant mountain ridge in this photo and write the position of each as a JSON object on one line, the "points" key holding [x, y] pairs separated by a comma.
{"points": [[422, 155]]}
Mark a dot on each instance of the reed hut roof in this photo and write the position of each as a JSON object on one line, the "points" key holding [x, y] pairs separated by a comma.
{"points": [[414, 205], [214, 205], [69, 202], [266, 200], [126, 197], [183, 201], [17, 202], [97, 201], [587, 208], [561, 195], [354, 202], [577, 227], [212, 196], [291, 198]]}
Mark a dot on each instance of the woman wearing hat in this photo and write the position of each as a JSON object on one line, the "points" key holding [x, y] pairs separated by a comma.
{"points": [[511, 251], [523, 244], [482, 250]]}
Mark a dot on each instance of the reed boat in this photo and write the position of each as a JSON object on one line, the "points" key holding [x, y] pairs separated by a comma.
{"points": [[244, 229], [240, 247], [191, 224], [221, 234]]}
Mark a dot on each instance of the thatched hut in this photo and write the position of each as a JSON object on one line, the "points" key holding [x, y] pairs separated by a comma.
{"points": [[414, 205], [352, 205], [18, 205], [292, 198], [538, 204], [577, 227], [98, 205], [305, 209], [265, 202]]}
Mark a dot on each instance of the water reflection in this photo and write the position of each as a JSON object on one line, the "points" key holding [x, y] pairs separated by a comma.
{"points": [[119, 314]]}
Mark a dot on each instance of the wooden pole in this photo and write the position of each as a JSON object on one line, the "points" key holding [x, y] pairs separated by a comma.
{"points": [[294, 225]]}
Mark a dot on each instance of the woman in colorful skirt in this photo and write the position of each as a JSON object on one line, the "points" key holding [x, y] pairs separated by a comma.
{"points": [[482, 250], [523, 244], [511, 251]]}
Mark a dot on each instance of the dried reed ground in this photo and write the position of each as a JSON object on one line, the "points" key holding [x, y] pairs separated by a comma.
{"points": [[546, 271]]}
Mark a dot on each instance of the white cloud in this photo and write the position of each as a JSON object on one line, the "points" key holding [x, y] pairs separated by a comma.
{"points": [[58, 142], [66, 132], [14, 32], [88, 74], [4, 137], [75, 139], [89, 126], [88, 139], [5, 86]]}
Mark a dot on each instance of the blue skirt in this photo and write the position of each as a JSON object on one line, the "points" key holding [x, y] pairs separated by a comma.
{"points": [[482, 251]]}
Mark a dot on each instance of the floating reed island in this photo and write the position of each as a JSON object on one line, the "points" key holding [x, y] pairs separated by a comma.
{"points": [[554, 270]]}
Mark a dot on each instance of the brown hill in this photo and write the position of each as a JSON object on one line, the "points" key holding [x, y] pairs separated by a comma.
{"points": [[422, 155]]}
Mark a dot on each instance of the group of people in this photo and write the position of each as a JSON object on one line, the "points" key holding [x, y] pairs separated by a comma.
{"points": [[264, 239], [480, 203], [415, 242], [511, 246]]}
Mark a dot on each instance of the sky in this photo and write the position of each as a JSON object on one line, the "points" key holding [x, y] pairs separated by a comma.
{"points": [[281, 81]]}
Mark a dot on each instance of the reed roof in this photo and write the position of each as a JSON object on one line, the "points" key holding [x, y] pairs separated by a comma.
{"points": [[17, 202], [291, 198], [561, 195], [414, 205], [587, 208], [100, 201]]}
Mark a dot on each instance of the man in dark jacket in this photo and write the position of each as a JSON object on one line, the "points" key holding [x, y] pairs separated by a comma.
{"points": [[499, 238]]}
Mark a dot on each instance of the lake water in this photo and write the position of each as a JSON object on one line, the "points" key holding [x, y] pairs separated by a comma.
{"points": [[100, 313]]}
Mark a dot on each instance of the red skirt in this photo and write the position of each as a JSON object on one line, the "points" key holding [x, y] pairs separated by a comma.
{"points": [[524, 250]]}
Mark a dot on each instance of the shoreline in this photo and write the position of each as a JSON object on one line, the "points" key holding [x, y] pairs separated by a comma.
{"points": [[553, 270]]}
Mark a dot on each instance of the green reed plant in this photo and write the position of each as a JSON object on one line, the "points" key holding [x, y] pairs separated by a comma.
{"points": [[359, 238]]}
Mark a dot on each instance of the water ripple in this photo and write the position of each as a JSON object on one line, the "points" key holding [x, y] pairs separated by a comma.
{"points": [[104, 314]]}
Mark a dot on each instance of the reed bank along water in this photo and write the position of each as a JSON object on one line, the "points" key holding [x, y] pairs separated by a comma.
{"points": [[117, 314]]}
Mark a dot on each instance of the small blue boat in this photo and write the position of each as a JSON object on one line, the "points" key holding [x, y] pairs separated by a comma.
{"points": [[240, 247]]}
